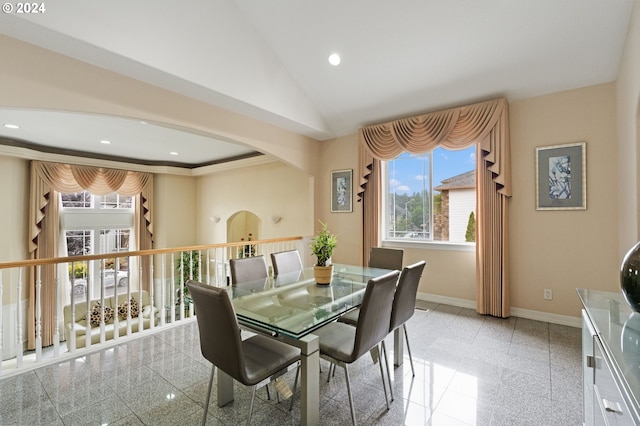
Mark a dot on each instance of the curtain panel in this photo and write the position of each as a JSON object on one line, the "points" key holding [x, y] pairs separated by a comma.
{"points": [[49, 179], [485, 124]]}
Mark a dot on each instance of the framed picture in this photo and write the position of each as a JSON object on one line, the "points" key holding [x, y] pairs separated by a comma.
{"points": [[341, 190], [561, 177]]}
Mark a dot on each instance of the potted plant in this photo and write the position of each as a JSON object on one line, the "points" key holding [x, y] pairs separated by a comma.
{"points": [[187, 266], [322, 246]]}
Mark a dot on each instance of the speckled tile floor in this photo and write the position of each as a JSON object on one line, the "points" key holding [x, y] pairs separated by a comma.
{"points": [[470, 370]]}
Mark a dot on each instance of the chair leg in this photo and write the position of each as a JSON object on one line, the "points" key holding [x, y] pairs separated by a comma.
{"points": [[384, 385], [332, 367], [295, 384], [253, 397], [386, 363], [268, 393], [206, 404], [406, 336], [353, 411]]}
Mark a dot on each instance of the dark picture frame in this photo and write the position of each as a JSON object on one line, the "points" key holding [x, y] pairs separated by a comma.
{"points": [[342, 191], [561, 177]]}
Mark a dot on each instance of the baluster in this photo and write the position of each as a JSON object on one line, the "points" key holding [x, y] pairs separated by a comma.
{"points": [[88, 292], [173, 289], [38, 313], [163, 289], [181, 313], [71, 339], [129, 301], [140, 323], [56, 331], [208, 266], [152, 322], [102, 319], [116, 318], [19, 315]]}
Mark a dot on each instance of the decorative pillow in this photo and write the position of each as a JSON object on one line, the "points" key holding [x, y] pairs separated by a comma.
{"points": [[96, 313], [124, 306]]}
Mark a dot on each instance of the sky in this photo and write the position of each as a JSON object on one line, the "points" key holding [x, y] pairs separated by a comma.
{"points": [[407, 173]]}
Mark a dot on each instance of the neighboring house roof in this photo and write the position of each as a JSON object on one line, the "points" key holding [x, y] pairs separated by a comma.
{"points": [[463, 181]]}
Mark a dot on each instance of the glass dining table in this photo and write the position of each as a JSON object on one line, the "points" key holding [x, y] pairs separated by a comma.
{"points": [[289, 308]]}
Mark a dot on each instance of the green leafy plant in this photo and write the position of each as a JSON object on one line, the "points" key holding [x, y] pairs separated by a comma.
{"points": [[322, 245], [187, 265]]}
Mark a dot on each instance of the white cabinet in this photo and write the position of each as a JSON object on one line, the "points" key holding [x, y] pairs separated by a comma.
{"points": [[610, 359]]}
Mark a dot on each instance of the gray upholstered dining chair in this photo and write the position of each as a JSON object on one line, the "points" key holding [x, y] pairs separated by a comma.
{"points": [[249, 361], [286, 261], [342, 344], [247, 269], [386, 258], [404, 303], [379, 257]]}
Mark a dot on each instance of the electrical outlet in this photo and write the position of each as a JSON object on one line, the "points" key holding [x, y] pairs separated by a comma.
{"points": [[548, 295]]}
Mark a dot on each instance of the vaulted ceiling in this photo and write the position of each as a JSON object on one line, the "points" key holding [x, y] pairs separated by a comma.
{"points": [[268, 59]]}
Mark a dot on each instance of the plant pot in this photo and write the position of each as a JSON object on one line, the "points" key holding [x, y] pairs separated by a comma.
{"points": [[323, 274]]}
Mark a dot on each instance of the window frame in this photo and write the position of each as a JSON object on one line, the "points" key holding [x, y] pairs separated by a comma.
{"points": [[386, 241], [96, 220]]}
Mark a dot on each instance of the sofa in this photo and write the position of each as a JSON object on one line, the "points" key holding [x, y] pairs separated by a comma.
{"points": [[113, 307]]}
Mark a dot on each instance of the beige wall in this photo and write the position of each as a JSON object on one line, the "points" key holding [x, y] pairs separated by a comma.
{"points": [[273, 189], [628, 113], [339, 154], [562, 250], [14, 184], [175, 211]]}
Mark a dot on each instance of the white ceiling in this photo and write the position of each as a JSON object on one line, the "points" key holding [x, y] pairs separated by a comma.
{"points": [[268, 59]]}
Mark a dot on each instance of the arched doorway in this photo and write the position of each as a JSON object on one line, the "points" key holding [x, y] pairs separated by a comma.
{"points": [[242, 226]]}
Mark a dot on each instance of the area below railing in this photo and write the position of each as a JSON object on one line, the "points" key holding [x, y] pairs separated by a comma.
{"points": [[57, 308]]}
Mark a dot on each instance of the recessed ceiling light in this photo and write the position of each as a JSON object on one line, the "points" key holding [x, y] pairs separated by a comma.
{"points": [[173, 153], [105, 142], [334, 59], [11, 126]]}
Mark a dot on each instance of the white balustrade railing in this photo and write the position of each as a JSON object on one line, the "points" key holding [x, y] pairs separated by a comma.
{"points": [[113, 280]]}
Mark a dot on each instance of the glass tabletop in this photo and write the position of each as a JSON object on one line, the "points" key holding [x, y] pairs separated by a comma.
{"points": [[294, 305]]}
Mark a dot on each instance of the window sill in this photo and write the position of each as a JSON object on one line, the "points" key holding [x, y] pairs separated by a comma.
{"points": [[430, 245]]}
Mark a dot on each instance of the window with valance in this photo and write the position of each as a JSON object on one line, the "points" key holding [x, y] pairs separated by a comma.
{"points": [[47, 181]]}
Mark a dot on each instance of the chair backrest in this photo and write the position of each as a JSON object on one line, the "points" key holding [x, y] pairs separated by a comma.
{"points": [[375, 313], [220, 340], [404, 300], [386, 258], [248, 269], [286, 261]]}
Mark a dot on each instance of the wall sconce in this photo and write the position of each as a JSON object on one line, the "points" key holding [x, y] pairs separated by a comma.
{"points": [[274, 219], [214, 219]]}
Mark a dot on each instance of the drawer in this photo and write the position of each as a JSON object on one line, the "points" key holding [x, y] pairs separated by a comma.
{"points": [[607, 396]]}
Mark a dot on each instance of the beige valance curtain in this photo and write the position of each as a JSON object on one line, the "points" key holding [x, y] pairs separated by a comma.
{"points": [[49, 179], [485, 124]]}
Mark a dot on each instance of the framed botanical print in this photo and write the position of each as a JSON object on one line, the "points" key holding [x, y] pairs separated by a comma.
{"points": [[341, 191], [561, 177]]}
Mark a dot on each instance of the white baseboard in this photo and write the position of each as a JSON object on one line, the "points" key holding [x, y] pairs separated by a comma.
{"points": [[516, 312]]}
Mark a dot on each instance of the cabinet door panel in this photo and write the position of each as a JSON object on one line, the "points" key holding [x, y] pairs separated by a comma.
{"points": [[606, 393]]}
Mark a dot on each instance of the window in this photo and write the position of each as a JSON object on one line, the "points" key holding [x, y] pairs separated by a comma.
{"points": [[94, 225], [430, 197]]}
